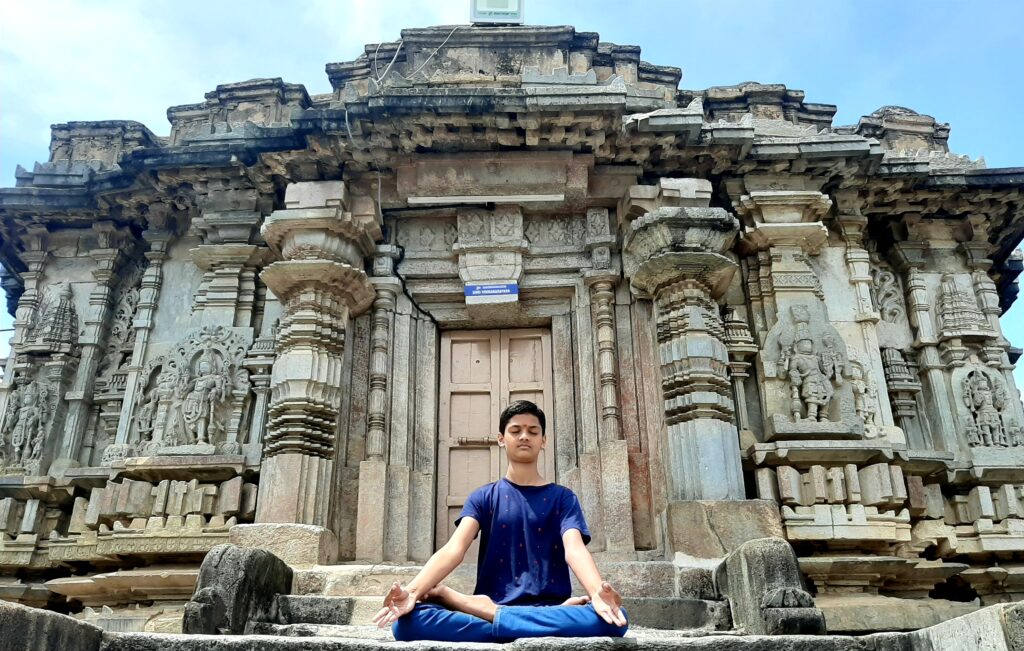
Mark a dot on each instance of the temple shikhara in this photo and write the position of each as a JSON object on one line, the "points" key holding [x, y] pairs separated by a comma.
{"points": [[768, 346]]}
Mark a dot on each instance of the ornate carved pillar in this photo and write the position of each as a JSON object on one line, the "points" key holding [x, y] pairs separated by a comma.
{"points": [[867, 369], [112, 252], [162, 229], [741, 348], [322, 236], [910, 257], [675, 255], [372, 514]]}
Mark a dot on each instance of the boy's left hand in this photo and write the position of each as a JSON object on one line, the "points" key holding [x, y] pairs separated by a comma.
{"points": [[607, 602]]}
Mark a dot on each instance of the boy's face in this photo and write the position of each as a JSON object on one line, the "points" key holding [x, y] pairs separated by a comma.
{"points": [[522, 438]]}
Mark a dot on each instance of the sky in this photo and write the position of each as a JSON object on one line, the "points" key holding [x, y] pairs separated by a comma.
{"points": [[117, 59]]}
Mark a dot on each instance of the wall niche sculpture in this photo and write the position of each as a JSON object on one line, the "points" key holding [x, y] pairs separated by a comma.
{"points": [[195, 396], [988, 422]]}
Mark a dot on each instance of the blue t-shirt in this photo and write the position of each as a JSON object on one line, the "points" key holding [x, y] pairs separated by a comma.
{"points": [[522, 560]]}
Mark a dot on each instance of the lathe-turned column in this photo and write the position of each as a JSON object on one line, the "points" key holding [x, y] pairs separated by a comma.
{"points": [[675, 256], [322, 236]]}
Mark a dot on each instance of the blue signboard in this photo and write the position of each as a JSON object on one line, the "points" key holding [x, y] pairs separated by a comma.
{"points": [[502, 289]]}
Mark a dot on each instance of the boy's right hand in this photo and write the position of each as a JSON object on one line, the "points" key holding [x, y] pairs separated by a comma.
{"points": [[398, 602]]}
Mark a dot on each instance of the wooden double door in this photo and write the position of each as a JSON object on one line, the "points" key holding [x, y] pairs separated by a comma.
{"points": [[482, 371]]}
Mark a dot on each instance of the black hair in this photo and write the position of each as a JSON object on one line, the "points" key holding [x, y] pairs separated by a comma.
{"points": [[521, 407]]}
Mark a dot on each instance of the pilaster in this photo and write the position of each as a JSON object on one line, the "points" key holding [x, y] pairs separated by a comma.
{"points": [[374, 499], [162, 229], [614, 455], [113, 251]]}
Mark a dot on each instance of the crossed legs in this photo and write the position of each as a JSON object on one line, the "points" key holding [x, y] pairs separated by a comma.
{"points": [[449, 615]]}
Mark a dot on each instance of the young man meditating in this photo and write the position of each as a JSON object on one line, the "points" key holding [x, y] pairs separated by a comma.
{"points": [[532, 533]]}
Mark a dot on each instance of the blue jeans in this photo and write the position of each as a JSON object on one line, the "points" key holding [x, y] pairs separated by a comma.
{"points": [[434, 622]]}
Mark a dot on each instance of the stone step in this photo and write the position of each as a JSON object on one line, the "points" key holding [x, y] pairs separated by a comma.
{"points": [[662, 613], [995, 628], [322, 637], [641, 579]]}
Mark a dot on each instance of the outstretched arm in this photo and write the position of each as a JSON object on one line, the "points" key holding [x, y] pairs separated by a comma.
{"points": [[400, 601], [605, 599]]}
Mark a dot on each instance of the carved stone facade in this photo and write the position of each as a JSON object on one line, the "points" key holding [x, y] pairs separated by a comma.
{"points": [[759, 323]]}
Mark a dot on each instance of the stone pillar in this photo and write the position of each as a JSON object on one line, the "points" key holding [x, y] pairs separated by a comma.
{"points": [[910, 260], [372, 513], [615, 484], [322, 236], [741, 348], [162, 229], [875, 410], [109, 257], [675, 255]]}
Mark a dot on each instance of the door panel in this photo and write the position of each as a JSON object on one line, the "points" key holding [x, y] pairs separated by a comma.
{"points": [[482, 371]]}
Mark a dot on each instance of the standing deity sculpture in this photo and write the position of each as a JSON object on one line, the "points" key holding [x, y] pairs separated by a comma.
{"points": [[810, 369], [985, 398], [206, 391], [25, 420], [865, 397], [193, 395]]}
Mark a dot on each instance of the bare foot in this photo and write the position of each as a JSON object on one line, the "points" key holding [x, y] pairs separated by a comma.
{"points": [[577, 601]]}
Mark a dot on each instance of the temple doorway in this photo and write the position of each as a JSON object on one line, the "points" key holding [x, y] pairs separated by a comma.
{"points": [[482, 371]]}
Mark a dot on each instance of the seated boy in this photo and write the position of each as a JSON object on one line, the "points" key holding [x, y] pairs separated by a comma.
{"points": [[532, 532]]}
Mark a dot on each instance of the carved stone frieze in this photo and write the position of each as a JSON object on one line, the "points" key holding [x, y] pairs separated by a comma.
{"points": [[195, 396], [806, 367]]}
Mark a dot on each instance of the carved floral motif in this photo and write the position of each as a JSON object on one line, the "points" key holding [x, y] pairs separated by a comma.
{"points": [[556, 232], [887, 294]]}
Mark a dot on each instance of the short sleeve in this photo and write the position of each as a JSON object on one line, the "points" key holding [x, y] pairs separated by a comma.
{"points": [[572, 516], [475, 506]]}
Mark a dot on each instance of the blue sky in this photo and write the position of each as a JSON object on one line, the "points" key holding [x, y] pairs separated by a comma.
{"points": [[957, 61]]}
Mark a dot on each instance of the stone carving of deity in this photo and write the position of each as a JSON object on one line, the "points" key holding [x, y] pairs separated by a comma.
{"points": [[811, 388], [813, 371], [206, 391], [25, 418], [985, 399], [958, 311], [865, 396]]}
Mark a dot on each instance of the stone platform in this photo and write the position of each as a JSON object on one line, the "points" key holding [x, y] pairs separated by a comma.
{"points": [[996, 628]]}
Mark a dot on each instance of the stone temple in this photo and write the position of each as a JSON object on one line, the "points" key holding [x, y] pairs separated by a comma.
{"points": [[291, 323]]}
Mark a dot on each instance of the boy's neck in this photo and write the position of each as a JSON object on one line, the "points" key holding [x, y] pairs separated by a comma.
{"points": [[524, 474]]}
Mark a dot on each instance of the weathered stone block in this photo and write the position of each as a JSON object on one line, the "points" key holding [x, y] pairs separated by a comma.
{"points": [[236, 587], [295, 544], [706, 529], [30, 629], [763, 584]]}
